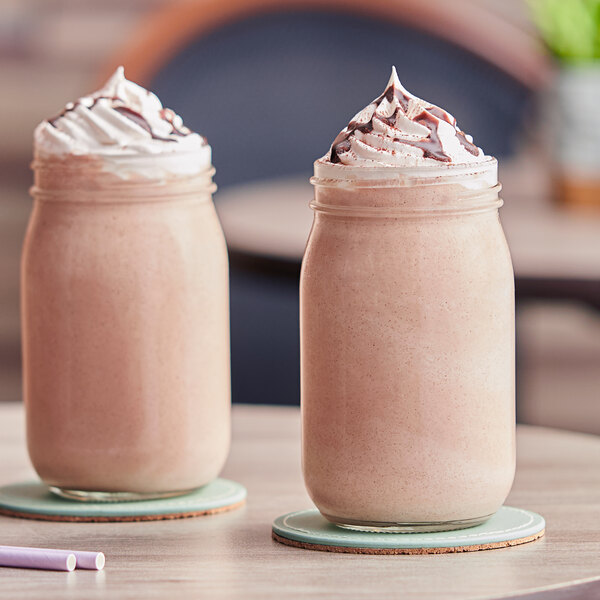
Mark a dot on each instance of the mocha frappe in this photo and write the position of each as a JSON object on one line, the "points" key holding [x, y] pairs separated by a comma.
{"points": [[407, 325], [124, 302]]}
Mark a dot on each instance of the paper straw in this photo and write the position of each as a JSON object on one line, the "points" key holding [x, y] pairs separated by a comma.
{"points": [[37, 558], [84, 560], [89, 560]]}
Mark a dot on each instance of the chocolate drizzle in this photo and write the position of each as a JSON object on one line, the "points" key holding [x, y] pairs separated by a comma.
{"points": [[138, 119], [429, 118], [431, 145], [342, 142], [462, 138], [466, 144], [392, 92], [165, 114], [169, 116], [73, 105]]}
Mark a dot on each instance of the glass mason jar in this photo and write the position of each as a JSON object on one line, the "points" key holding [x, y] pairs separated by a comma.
{"points": [[125, 332], [407, 348]]}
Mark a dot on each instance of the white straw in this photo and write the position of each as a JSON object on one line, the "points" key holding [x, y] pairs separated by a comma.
{"points": [[82, 560], [37, 558]]}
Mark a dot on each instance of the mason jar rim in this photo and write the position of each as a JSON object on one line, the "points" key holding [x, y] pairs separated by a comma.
{"points": [[474, 203], [129, 191], [359, 191], [112, 178], [477, 175]]}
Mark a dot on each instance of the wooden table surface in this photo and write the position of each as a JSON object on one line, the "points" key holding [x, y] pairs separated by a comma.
{"points": [[232, 555]]}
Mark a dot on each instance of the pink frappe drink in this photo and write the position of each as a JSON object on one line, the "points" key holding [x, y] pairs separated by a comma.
{"points": [[124, 303], [407, 326]]}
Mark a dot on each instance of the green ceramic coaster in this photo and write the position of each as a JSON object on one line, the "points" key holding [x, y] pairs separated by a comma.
{"points": [[508, 527], [32, 500]]}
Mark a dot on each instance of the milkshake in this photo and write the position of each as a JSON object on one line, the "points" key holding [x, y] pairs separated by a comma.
{"points": [[407, 326], [124, 302]]}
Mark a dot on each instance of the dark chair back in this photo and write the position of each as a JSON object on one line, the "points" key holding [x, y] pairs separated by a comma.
{"points": [[272, 91]]}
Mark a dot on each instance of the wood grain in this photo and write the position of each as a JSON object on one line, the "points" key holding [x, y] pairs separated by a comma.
{"points": [[232, 555]]}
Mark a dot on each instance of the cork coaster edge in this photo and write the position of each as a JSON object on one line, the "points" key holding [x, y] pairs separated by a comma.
{"points": [[115, 519], [397, 551], [32, 500]]}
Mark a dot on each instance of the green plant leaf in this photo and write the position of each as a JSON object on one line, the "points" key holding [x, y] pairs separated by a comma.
{"points": [[570, 28]]}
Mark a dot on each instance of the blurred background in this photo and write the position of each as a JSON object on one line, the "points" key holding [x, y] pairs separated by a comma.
{"points": [[271, 84]]}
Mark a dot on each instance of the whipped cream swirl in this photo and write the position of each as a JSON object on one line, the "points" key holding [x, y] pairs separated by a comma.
{"points": [[120, 122], [399, 129]]}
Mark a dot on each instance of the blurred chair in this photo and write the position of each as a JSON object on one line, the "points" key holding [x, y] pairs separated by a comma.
{"points": [[270, 84]]}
